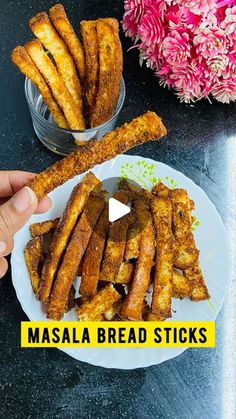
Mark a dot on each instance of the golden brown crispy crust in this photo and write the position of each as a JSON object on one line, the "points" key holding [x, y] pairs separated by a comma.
{"points": [[58, 87], [90, 41], [147, 127], [63, 26], [102, 302], [133, 305], [93, 256], [124, 275], [160, 190], [162, 287], [34, 259], [73, 255], [181, 286], [114, 251], [113, 311], [45, 32], [135, 232], [108, 80], [199, 289], [71, 299], [185, 251], [65, 227], [22, 60], [153, 318], [44, 227]]}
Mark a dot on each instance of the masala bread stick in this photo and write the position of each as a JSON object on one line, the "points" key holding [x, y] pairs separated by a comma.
{"points": [[162, 286], [74, 207], [73, 254], [102, 302], [63, 26], [90, 42], [93, 256], [54, 80], [46, 33], [108, 82], [199, 290], [34, 260], [185, 251], [133, 305], [22, 60], [181, 285], [147, 127], [44, 227]]}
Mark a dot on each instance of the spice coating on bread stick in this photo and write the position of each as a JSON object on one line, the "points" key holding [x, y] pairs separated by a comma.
{"points": [[133, 305], [63, 26], [22, 60], [65, 227], [162, 287], [73, 255], [45, 32], [147, 127], [34, 258], [199, 290], [54, 80], [44, 227]]}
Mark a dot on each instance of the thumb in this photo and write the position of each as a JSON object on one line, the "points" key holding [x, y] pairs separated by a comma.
{"points": [[17, 210]]}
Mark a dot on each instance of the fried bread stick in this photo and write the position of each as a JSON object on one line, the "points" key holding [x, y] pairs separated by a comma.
{"points": [[108, 80], [22, 60], [93, 256], [199, 289], [133, 305], [147, 127], [162, 287], [44, 227], [115, 247], [63, 26], [73, 255], [161, 190], [135, 232], [45, 32], [65, 227], [103, 301], [185, 251], [181, 286], [58, 88], [114, 311], [34, 259]]}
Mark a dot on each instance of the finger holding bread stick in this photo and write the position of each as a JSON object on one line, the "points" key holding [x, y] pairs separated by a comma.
{"points": [[147, 127], [162, 287], [58, 88], [22, 60], [73, 255], [63, 26], [185, 251], [65, 227], [133, 305], [45, 32]]}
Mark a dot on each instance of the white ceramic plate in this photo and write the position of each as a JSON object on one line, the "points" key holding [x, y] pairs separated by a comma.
{"points": [[210, 236]]}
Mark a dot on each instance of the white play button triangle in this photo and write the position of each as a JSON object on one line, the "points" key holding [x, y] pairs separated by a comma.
{"points": [[116, 210]]}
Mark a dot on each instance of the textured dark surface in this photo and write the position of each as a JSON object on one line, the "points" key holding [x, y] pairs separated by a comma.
{"points": [[201, 143]]}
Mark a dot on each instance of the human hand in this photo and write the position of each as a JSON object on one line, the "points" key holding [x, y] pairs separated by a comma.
{"points": [[17, 204]]}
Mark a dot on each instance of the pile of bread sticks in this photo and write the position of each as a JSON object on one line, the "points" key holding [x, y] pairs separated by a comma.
{"points": [[151, 249], [79, 81]]}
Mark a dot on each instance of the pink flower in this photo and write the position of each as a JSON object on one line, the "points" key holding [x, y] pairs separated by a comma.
{"points": [[218, 64], [199, 7], [229, 24], [158, 7], [151, 30], [232, 57], [225, 90], [210, 42], [187, 82], [134, 10], [176, 48]]}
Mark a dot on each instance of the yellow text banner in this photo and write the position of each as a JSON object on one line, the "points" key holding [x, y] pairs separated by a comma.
{"points": [[117, 334]]}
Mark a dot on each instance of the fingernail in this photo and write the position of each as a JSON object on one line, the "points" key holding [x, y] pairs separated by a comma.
{"points": [[23, 199], [3, 246]]}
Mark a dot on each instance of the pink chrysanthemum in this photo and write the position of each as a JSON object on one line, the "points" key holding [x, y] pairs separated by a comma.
{"points": [[229, 24], [151, 29], [190, 44]]}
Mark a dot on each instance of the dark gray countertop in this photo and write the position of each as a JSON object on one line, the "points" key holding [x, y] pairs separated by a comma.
{"points": [[201, 383]]}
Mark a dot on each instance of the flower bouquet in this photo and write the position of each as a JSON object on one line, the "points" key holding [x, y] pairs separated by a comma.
{"points": [[190, 44]]}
